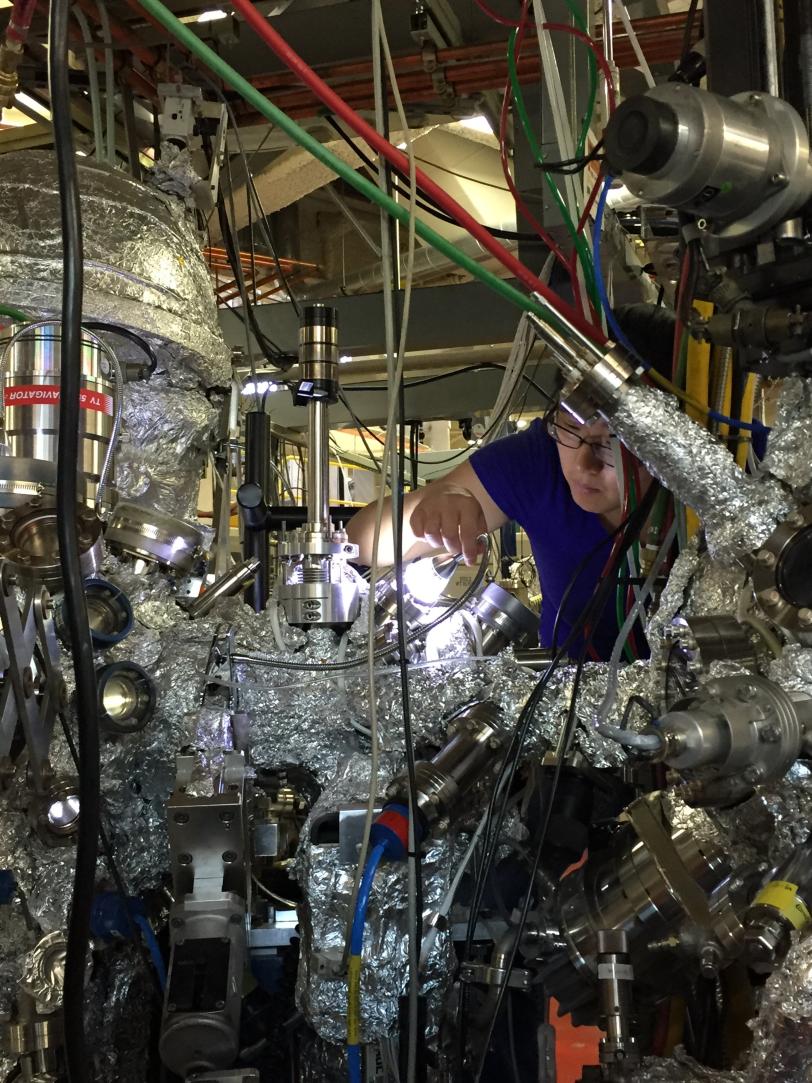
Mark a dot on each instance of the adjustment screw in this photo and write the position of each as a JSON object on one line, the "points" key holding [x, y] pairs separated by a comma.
{"points": [[805, 616], [765, 558], [778, 179]]}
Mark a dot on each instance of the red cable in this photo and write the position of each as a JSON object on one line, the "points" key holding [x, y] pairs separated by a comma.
{"points": [[497, 18], [400, 162], [20, 22]]}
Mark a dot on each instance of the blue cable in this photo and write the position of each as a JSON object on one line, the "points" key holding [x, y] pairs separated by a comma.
{"points": [[359, 918], [362, 902], [614, 326], [154, 949]]}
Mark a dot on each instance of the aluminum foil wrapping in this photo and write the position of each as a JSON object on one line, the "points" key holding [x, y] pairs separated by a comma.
{"points": [[143, 263], [118, 1019], [320, 1061], [788, 455], [782, 1046], [680, 1068], [327, 883], [16, 940], [738, 512], [169, 433]]}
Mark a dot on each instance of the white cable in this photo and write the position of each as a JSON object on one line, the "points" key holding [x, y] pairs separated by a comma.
{"points": [[394, 376], [453, 888], [276, 627], [413, 916], [109, 85], [632, 36], [646, 742]]}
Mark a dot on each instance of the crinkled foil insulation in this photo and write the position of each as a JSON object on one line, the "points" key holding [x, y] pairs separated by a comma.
{"points": [[168, 433], [738, 511], [143, 263], [788, 455], [782, 1045], [680, 1068]]}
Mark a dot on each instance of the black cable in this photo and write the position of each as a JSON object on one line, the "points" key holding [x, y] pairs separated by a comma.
{"points": [[510, 763], [427, 204], [263, 218], [637, 701], [112, 865], [690, 19], [125, 332], [361, 427], [67, 499]]}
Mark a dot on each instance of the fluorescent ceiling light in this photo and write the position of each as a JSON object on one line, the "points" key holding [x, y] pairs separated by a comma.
{"points": [[33, 104], [212, 16], [477, 124]]}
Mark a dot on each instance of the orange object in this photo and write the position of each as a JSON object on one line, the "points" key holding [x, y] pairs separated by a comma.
{"points": [[575, 1047]]}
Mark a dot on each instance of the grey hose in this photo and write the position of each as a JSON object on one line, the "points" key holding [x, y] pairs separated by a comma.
{"points": [[93, 83], [351, 663], [114, 435]]}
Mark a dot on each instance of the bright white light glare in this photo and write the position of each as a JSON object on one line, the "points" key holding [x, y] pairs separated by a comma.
{"points": [[478, 124], [33, 104], [344, 359], [426, 579], [522, 423], [211, 16], [402, 146], [261, 387]]}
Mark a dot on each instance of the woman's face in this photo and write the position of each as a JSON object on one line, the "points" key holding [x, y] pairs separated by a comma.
{"points": [[589, 467]]}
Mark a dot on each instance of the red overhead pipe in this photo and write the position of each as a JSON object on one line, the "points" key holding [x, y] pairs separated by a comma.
{"points": [[20, 22], [400, 161]]}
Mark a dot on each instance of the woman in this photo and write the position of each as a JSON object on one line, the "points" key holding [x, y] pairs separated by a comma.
{"points": [[557, 479]]}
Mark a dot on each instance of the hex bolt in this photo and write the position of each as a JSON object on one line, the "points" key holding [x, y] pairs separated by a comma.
{"points": [[181, 817], [765, 558], [772, 597], [778, 179], [805, 616], [229, 856], [226, 816], [184, 859], [745, 693]]}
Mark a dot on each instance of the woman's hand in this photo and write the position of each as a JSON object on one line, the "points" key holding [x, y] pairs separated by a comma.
{"points": [[450, 517]]}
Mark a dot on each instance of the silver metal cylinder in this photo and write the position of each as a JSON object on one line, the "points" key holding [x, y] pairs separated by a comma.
{"points": [[318, 466], [30, 374], [224, 587], [505, 620]]}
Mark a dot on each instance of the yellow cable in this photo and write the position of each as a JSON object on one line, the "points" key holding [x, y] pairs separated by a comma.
{"points": [[354, 1000], [746, 414]]}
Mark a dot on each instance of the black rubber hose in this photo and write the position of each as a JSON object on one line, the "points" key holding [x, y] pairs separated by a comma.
{"points": [[131, 336], [75, 609]]}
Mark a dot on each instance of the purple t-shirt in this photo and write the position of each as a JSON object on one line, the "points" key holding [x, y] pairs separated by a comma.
{"points": [[523, 477]]}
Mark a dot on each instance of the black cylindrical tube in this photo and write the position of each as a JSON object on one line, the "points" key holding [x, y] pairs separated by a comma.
{"points": [[257, 471]]}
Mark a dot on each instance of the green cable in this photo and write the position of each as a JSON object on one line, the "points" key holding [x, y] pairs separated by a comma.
{"points": [[367, 188], [581, 247], [14, 313]]}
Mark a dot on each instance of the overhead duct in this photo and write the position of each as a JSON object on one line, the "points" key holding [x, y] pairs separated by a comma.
{"points": [[143, 263]]}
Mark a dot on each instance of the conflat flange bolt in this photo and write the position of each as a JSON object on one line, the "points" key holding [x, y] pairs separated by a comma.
{"points": [[772, 597], [805, 616], [765, 558]]}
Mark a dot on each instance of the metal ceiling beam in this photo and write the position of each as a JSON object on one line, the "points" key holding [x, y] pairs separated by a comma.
{"points": [[463, 315]]}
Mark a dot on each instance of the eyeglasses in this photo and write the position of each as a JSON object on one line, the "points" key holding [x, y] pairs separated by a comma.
{"points": [[567, 437]]}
